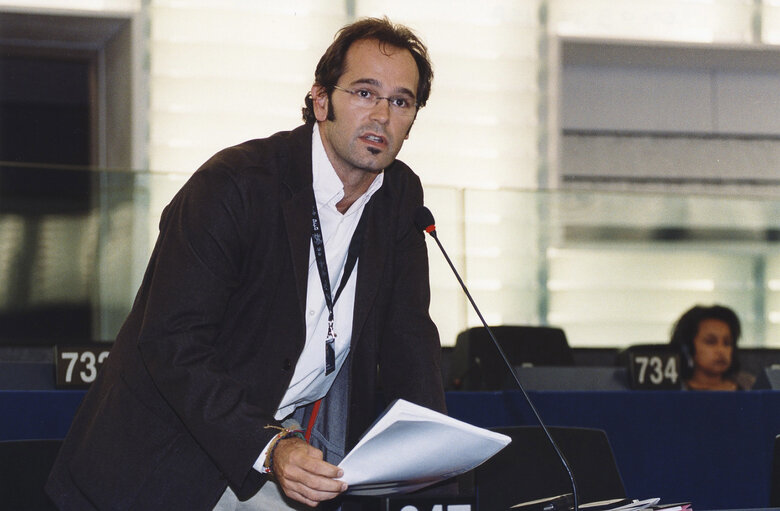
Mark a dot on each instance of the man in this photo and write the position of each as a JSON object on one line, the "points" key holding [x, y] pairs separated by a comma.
{"points": [[256, 304]]}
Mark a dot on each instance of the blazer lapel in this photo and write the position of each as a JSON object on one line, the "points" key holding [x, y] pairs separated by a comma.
{"points": [[297, 218], [371, 261], [297, 209]]}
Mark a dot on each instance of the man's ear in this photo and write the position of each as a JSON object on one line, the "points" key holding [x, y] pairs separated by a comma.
{"points": [[319, 96]]}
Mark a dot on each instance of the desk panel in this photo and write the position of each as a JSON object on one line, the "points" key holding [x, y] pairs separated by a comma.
{"points": [[712, 448], [31, 414]]}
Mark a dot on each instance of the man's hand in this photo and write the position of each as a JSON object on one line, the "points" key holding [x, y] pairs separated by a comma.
{"points": [[303, 474]]}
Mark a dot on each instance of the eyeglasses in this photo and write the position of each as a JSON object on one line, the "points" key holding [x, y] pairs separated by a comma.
{"points": [[366, 98]]}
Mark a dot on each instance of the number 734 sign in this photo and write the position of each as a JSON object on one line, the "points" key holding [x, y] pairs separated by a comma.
{"points": [[654, 368]]}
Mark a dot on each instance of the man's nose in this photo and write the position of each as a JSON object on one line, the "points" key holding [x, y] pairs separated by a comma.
{"points": [[381, 111]]}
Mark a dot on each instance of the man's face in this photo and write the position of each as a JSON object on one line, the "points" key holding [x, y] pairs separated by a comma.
{"points": [[363, 138]]}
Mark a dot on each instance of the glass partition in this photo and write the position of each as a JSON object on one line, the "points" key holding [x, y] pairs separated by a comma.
{"points": [[610, 268], [73, 246]]}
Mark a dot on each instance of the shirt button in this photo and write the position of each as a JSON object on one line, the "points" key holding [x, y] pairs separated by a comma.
{"points": [[287, 364], [311, 312]]}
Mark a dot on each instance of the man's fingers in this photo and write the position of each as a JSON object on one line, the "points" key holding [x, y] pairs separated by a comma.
{"points": [[310, 460], [306, 495], [313, 488], [302, 473]]}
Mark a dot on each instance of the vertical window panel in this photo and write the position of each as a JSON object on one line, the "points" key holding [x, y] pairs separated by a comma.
{"points": [[482, 115], [75, 5], [226, 72], [658, 20], [770, 21]]}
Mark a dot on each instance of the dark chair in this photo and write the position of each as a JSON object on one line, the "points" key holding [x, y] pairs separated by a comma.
{"points": [[529, 469], [774, 484], [756, 360], [768, 379], [477, 365], [24, 468]]}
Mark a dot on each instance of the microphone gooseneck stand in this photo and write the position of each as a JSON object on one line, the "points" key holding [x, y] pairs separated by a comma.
{"points": [[423, 220]]}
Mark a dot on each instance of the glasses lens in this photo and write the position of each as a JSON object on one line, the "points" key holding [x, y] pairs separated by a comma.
{"points": [[404, 107], [407, 110]]}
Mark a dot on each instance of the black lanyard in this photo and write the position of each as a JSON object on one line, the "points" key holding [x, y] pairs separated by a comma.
{"points": [[322, 267]]}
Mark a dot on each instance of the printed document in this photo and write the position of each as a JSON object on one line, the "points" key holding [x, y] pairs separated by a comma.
{"points": [[410, 447]]}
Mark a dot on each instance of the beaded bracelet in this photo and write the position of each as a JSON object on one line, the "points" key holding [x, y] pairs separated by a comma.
{"points": [[284, 433]]}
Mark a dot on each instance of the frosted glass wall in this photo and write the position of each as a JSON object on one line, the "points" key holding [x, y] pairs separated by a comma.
{"points": [[614, 269], [704, 21], [63, 6], [223, 71]]}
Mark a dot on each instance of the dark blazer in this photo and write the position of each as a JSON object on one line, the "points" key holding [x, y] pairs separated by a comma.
{"points": [[202, 362]]}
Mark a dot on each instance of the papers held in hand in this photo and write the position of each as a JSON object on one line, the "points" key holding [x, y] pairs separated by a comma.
{"points": [[410, 447]]}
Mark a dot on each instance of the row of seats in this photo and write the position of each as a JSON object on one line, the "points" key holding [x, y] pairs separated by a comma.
{"points": [[475, 364]]}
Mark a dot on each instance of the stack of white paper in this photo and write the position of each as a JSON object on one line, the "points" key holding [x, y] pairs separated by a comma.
{"points": [[410, 447]]}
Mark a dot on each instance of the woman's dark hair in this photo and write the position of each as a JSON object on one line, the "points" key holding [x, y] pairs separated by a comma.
{"points": [[331, 65], [686, 328]]}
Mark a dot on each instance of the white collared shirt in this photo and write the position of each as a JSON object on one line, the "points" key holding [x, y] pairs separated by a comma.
{"points": [[309, 382]]}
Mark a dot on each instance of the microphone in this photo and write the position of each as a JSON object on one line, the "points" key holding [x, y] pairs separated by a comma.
{"points": [[423, 220]]}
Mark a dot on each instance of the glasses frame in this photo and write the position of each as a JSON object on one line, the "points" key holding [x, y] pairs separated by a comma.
{"points": [[353, 93]]}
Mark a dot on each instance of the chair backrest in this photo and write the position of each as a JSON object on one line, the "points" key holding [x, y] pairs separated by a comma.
{"points": [[774, 484], [529, 469], [768, 379], [477, 364], [24, 468]]}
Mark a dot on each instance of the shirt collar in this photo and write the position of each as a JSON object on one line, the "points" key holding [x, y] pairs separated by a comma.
{"points": [[328, 188]]}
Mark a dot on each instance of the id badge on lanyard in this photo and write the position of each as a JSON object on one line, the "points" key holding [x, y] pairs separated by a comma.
{"points": [[322, 268]]}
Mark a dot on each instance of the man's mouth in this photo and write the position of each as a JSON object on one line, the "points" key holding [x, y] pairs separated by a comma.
{"points": [[374, 139]]}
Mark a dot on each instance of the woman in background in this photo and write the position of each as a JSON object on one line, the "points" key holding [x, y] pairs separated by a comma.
{"points": [[707, 338]]}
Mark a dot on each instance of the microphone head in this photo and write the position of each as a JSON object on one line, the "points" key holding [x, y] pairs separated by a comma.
{"points": [[423, 220]]}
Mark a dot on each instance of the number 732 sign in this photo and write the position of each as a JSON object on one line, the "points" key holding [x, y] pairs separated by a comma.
{"points": [[77, 366]]}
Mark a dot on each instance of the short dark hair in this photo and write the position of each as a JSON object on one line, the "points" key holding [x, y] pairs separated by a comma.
{"points": [[686, 328], [331, 64]]}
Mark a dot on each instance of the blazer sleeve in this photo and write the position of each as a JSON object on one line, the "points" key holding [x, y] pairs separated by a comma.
{"points": [[195, 269]]}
